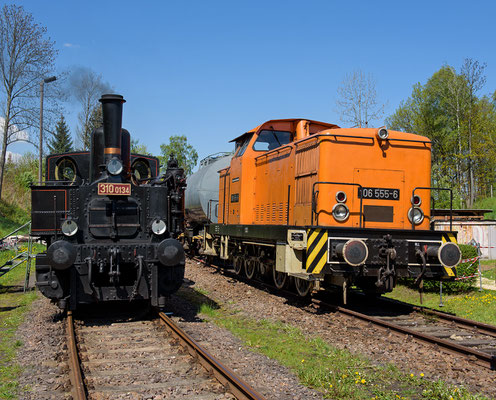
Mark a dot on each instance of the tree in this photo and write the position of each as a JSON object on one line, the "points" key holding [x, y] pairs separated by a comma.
{"points": [[95, 121], [26, 57], [473, 72], [61, 141], [86, 88], [357, 99], [461, 126], [139, 148], [185, 154]]}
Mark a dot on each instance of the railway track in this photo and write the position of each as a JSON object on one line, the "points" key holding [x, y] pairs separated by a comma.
{"points": [[113, 358], [456, 335]]}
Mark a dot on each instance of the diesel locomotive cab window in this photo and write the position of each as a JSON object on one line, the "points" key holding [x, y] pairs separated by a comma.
{"points": [[242, 145], [269, 140]]}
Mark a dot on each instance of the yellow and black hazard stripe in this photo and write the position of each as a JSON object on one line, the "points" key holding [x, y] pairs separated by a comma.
{"points": [[316, 250], [449, 237]]}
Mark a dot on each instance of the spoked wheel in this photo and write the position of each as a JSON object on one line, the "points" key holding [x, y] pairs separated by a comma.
{"points": [[280, 278], [238, 265], [250, 269], [303, 287]]}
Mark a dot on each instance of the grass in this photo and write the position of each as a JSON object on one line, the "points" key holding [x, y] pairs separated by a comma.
{"points": [[337, 373], [11, 218], [490, 273], [14, 303], [475, 305]]}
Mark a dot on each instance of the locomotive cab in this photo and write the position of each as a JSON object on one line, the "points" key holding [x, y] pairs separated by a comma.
{"points": [[110, 223]]}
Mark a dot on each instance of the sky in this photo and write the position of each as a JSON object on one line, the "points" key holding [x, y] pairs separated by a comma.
{"points": [[211, 70]]}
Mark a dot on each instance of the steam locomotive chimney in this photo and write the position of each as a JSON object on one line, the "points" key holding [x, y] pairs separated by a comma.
{"points": [[112, 124]]}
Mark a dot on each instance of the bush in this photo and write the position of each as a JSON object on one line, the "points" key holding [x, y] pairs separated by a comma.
{"points": [[488, 203], [459, 286]]}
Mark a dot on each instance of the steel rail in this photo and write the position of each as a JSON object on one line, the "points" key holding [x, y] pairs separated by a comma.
{"points": [[480, 327], [481, 358], [484, 359], [232, 382], [75, 374]]}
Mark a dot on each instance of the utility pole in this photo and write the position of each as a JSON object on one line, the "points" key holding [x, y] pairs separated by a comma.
{"points": [[42, 88]]}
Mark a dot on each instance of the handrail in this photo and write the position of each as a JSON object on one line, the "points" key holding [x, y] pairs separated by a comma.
{"points": [[434, 188], [17, 230], [314, 206]]}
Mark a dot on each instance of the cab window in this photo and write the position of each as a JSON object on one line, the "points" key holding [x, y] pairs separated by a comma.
{"points": [[241, 146], [269, 140]]}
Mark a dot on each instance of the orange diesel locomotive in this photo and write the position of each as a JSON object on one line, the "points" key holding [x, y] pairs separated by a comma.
{"points": [[329, 207]]}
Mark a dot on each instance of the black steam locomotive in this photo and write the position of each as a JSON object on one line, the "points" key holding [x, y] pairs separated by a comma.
{"points": [[110, 221]]}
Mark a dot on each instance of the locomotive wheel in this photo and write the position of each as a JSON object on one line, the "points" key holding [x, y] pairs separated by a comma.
{"points": [[280, 278], [238, 265], [251, 268], [303, 287]]}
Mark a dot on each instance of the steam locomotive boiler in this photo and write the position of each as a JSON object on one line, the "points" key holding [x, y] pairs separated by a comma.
{"points": [[109, 220]]}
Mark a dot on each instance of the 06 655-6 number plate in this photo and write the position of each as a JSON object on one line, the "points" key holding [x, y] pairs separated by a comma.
{"points": [[114, 189], [378, 193]]}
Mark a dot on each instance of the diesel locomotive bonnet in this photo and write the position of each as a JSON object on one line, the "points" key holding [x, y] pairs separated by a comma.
{"points": [[109, 220]]}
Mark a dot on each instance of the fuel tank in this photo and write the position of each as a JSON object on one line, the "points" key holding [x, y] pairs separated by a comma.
{"points": [[202, 191]]}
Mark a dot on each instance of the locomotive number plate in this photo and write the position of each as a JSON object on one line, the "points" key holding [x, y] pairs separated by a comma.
{"points": [[114, 189], [378, 193]]}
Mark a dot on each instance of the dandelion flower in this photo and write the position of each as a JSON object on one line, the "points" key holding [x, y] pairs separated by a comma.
{"points": [[363, 380], [422, 374]]}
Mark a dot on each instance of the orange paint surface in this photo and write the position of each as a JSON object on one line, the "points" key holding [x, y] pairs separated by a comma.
{"points": [[276, 186]]}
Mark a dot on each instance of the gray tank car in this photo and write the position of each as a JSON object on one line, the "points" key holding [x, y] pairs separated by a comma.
{"points": [[202, 195]]}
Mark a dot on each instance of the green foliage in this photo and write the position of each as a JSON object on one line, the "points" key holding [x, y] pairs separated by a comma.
{"points": [[486, 204], [461, 126], [11, 217], [138, 148], [17, 179], [25, 179], [61, 141], [185, 154]]}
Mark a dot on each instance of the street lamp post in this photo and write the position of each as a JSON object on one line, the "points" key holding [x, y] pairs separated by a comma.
{"points": [[42, 87]]}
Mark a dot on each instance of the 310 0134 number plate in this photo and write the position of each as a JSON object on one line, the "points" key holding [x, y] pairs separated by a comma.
{"points": [[378, 193], [114, 189]]}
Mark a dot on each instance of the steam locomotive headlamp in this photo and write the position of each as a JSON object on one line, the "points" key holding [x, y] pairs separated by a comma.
{"points": [[415, 215], [416, 201], [341, 197], [340, 212], [382, 133], [69, 228], [159, 227], [114, 166]]}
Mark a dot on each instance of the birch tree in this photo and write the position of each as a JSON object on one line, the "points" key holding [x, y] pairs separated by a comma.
{"points": [[473, 72], [357, 100], [26, 56]]}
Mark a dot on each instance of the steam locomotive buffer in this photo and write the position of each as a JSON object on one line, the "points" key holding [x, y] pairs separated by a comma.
{"points": [[109, 220]]}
